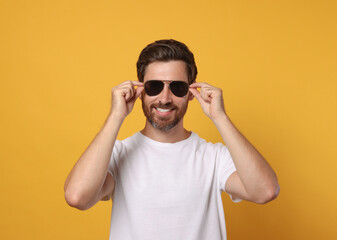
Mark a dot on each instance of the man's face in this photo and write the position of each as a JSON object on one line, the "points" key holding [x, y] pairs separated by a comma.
{"points": [[165, 110]]}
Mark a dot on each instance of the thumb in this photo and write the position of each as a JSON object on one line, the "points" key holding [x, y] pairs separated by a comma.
{"points": [[139, 90], [196, 94], [136, 94]]}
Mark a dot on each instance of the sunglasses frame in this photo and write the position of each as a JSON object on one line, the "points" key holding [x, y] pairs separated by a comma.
{"points": [[163, 85]]}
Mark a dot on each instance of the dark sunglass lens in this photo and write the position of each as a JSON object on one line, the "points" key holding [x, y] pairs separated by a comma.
{"points": [[153, 87], [179, 88]]}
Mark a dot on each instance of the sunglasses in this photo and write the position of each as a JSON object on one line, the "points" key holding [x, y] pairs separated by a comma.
{"points": [[154, 87]]}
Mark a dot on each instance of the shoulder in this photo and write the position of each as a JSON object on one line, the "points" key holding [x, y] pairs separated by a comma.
{"points": [[204, 144], [129, 141]]}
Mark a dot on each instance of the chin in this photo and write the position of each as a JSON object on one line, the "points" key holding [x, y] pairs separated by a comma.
{"points": [[163, 126], [164, 123]]}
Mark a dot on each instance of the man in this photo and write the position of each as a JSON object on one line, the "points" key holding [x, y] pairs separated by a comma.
{"points": [[165, 181]]}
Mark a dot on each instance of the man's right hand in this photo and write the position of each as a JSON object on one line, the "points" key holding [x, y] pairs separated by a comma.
{"points": [[123, 98], [89, 180]]}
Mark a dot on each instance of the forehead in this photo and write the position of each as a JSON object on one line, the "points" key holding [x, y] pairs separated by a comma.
{"points": [[169, 71]]}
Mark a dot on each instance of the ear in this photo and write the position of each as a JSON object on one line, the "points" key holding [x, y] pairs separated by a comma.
{"points": [[190, 96]]}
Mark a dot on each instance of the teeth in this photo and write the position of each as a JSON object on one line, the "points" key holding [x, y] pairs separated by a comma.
{"points": [[163, 110]]}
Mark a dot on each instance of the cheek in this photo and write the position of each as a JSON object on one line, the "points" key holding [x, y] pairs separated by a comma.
{"points": [[147, 100], [182, 102]]}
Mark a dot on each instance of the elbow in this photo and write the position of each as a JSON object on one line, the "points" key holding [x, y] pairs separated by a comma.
{"points": [[76, 201], [269, 194]]}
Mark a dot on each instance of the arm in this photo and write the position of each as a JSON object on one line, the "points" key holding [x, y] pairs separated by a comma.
{"points": [[254, 180], [89, 181]]}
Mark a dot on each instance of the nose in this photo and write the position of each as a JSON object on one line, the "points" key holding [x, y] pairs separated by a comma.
{"points": [[165, 95]]}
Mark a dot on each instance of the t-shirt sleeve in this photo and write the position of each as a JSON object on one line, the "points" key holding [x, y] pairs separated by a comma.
{"points": [[115, 155], [226, 168]]}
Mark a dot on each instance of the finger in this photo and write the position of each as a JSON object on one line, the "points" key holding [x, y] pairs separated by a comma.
{"points": [[128, 82], [139, 91], [196, 94], [131, 83], [128, 93], [206, 95], [134, 84], [126, 86], [199, 85], [137, 83]]}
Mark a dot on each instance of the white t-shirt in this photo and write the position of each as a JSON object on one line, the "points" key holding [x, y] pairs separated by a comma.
{"points": [[169, 191]]}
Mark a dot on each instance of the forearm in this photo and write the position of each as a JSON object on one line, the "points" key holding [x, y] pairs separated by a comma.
{"points": [[256, 175], [87, 177]]}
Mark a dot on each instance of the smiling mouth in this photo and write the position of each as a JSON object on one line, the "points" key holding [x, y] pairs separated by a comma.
{"points": [[163, 110]]}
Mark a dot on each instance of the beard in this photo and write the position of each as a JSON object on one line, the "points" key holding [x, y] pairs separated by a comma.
{"points": [[164, 123]]}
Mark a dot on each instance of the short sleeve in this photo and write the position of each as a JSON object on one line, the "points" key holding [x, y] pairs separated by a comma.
{"points": [[115, 155], [226, 168]]}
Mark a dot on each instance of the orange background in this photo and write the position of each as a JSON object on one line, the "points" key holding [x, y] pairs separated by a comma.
{"points": [[276, 62]]}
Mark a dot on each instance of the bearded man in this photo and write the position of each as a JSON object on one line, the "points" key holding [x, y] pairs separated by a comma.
{"points": [[165, 181]]}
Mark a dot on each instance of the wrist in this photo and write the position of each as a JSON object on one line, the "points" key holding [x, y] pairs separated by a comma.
{"points": [[219, 118], [115, 118]]}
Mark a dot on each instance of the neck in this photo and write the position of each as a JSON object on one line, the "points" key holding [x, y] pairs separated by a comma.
{"points": [[175, 134]]}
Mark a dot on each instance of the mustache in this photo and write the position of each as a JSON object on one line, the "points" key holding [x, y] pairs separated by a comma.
{"points": [[164, 106]]}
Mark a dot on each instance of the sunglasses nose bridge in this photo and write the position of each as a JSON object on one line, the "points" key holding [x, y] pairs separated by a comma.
{"points": [[166, 94], [169, 86]]}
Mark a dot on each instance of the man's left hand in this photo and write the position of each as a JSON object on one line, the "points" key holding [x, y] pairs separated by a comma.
{"points": [[210, 99]]}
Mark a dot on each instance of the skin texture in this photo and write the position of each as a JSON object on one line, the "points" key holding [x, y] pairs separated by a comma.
{"points": [[89, 182], [165, 71]]}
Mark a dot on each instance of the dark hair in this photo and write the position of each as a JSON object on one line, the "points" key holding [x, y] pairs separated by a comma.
{"points": [[166, 50]]}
